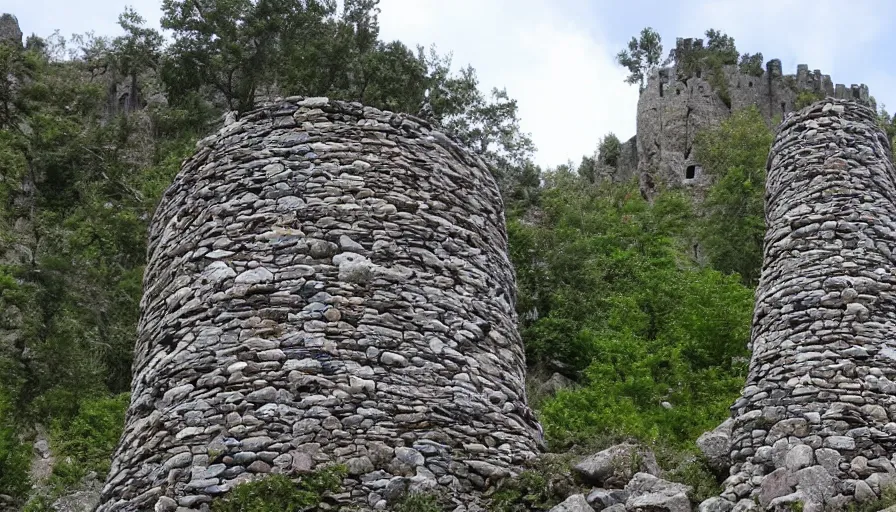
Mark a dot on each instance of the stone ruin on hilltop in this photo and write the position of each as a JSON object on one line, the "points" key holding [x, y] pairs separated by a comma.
{"points": [[326, 283], [675, 106], [815, 423]]}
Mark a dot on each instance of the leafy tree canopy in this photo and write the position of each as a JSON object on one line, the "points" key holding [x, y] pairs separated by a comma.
{"points": [[641, 56]]}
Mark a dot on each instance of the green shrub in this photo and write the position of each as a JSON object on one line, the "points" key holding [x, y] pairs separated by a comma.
{"points": [[619, 302], [419, 502], [548, 483], [279, 493], [85, 442], [887, 499], [806, 98], [690, 468], [14, 455]]}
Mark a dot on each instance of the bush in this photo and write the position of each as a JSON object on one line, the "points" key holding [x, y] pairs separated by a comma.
{"points": [[806, 98], [419, 502], [279, 493], [14, 455], [732, 230], [751, 64], [548, 483], [620, 304], [85, 442]]}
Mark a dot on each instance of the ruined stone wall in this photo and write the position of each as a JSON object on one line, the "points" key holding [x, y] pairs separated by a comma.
{"points": [[815, 423], [673, 109], [326, 283]]}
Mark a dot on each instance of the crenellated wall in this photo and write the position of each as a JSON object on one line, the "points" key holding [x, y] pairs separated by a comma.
{"points": [[816, 423], [675, 107], [326, 283]]}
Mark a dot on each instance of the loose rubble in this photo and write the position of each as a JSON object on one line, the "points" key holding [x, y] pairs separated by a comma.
{"points": [[326, 282]]}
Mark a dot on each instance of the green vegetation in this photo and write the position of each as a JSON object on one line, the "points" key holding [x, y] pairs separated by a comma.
{"points": [[610, 292], [419, 502], [548, 483], [887, 499], [84, 441], [735, 155], [806, 98], [14, 455], [888, 124], [751, 64], [641, 56], [279, 493]]}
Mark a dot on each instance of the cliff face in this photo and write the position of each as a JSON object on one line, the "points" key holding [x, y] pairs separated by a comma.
{"points": [[674, 108], [326, 283], [815, 423]]}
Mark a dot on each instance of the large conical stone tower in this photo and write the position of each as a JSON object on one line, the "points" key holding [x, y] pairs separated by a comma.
{"points": [[326, 283], [815, 424]]}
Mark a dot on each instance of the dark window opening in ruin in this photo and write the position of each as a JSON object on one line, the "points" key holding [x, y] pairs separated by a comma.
{"points": [[699, 72], [700, 88], [691, 172], [750, 84], [677, 92], [661, 89]]}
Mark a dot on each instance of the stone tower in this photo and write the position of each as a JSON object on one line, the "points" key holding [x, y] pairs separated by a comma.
{"points": [[815, 423], [326, 283]]}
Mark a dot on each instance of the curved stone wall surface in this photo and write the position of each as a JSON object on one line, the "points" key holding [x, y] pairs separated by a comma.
{"points": [[815, 423], [326, 282]]}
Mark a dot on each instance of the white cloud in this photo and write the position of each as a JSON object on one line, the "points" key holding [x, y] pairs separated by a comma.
{"points": [[568, 88], [822, 34]]}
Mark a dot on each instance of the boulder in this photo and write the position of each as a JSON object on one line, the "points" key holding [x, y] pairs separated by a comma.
{"points": [[648, 493], [616, 465], [554, 384], [715, 504], [575, 503], [716, 445], [601, 499]]}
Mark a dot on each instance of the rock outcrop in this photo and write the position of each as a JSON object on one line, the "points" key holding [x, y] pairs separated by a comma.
{"points": [[815, 423], [10, 33], [326, 283]]}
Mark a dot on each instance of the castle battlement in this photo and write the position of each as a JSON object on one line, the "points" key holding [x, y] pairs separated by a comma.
{"points": [[681, 100]]}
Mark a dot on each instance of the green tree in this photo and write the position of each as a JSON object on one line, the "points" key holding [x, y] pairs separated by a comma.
{"points": [[721, 46], [608, 150], [234, 45], [735, 155], [135, 52], [751, 64], [641, 57]]}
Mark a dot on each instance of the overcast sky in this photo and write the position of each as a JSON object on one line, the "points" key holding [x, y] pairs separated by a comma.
{"points": [[556, 57]]}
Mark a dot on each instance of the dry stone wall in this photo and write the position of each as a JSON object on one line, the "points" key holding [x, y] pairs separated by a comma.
{"points": [[815, 423], [326, 283]]}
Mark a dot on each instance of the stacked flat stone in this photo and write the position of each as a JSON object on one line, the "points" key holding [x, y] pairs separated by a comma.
{"points": [[815, 423], [327, 282]]}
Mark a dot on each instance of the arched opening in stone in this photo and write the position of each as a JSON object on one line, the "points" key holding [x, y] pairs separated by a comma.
{"points": [[691, 172], [750, 84], [677, 92], [699, 73], [661, 89]]}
